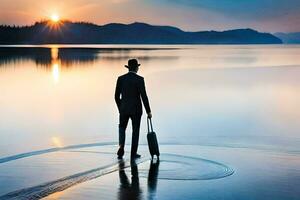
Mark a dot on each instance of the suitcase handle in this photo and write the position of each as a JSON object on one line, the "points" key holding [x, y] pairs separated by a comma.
{"points": [[149, 120]]}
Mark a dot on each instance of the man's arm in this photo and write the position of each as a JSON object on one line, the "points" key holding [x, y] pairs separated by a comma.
{"points": [[118, 94], [145, 97]]}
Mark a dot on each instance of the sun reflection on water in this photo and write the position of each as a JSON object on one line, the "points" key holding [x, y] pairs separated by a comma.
{"points": [[55, 64], [57, 142], [55, 72], [54, 53]]}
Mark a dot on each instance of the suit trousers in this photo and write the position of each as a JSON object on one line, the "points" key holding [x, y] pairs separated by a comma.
{"points": [[136, 121]]}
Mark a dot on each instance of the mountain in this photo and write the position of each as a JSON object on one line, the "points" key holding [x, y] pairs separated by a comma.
{"points": [[289, 38], [136, 33]]}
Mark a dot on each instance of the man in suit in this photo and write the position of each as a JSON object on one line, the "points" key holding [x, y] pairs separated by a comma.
{"points": [[129, 94]]}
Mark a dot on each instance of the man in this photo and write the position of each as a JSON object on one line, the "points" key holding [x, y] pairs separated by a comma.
{"points": [[130, 90]]}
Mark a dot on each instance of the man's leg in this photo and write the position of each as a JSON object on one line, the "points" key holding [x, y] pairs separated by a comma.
{"points": [[136, 121], [123, 121]]}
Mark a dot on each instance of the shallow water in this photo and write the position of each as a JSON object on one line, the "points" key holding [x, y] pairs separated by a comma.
{"points": [[217, 109]]}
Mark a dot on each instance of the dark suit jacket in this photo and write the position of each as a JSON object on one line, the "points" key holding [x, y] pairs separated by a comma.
{"points": [[130, 89]]}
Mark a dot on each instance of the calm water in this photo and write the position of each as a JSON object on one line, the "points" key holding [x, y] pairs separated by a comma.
{"points": [[238, 106]]}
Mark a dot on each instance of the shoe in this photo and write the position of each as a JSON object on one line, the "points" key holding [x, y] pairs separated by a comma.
{"points": [[120, 153], [136, 156]]}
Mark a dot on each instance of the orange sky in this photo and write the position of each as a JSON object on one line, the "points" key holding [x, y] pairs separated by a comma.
{"points": [[188, 15]]}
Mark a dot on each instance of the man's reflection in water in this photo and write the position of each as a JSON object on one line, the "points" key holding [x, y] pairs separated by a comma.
{"points": [[152, 179], [132, 190], [129, 190]]}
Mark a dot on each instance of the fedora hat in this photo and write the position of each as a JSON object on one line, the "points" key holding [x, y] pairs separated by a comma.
{"points": [[132, 63]]}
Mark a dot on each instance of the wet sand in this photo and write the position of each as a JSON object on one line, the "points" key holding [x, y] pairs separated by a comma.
{"points": [[183, 172]]}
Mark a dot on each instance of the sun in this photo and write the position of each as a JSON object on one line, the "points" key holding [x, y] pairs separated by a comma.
{"points": [[55, 17]]}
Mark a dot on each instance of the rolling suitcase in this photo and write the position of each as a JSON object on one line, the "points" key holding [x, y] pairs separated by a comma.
{"points": [[152, 140]]}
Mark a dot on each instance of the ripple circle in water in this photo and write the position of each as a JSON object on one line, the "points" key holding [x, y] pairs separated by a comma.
{"points": [[179, 167]]}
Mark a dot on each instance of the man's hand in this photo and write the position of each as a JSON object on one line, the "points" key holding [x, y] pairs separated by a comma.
{"points": [[149, 115]]}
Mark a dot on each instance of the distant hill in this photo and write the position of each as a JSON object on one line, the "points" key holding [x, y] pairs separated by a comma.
{"points": [[136, 33], [289, 38]]}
